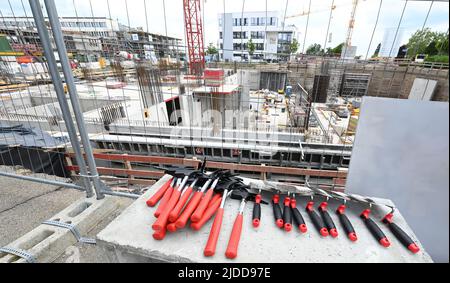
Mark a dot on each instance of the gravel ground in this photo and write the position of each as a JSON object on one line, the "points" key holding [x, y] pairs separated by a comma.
{"points": [[24, 205]]}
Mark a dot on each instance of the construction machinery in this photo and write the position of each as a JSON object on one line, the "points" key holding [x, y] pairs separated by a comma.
{"points": [[194, 34]]}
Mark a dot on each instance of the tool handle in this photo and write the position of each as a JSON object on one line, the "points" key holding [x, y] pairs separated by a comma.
{"points": [[403, 238], [287, 216], [161, 222], [235, 237], [377, 232], [173, 215], [160, 235], [210, 248], [164, 201], [171, 227], [277, 211], [213, 199], [159, 194], [329, 223], [209, 212], [190, 207], [348, 227], [318, 223], [256, 215], [202, 206], [298, 219]]}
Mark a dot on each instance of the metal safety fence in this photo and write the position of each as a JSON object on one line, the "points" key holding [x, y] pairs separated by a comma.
{"points": [[106, 102]]}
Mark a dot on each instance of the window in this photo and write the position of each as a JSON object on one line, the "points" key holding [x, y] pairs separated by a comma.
{"points": [[245, 22], [253, 21], [273, 21], [258, 34], [220, 22], [220, 35]]}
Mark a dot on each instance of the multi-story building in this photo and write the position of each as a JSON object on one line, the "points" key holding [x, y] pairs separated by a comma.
{"points": [[95, 36], [270, 37], [26, 42], [146, 45], [91, 26]]}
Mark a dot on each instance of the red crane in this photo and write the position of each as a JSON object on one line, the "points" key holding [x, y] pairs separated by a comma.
{"points": [[194, 35]]}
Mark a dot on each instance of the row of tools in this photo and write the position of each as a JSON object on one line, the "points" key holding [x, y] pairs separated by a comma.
{"points": [[194, 196]]}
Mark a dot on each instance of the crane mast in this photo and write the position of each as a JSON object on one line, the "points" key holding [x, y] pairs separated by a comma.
{"points": [[351, 24], [194, 36]]}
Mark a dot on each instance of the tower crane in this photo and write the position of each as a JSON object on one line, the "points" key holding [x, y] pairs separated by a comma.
{"points": [[194, 36], [351, 25], [305, 12]]}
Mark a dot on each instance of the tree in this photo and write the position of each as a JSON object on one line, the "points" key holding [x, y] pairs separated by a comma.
{"points": [[377, 51], [419, 41], [431, 49], [338, 49], [442, 43], [294, 46], [251, 48], [212, 50], [314, 49]]}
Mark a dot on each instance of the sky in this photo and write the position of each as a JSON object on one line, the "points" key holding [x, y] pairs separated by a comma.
{"points": [[153, 19]]}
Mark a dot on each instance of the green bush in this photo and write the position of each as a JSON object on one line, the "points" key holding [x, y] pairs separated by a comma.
{"points": [[437, 58]]}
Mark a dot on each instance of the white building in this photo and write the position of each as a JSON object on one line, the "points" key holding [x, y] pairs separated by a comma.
{"points": [[271, 39], [92, 26]]}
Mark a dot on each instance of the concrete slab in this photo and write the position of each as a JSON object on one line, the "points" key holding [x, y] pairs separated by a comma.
{"points": [[45, 243], [401, 153], [82, 253], [129, 239]]}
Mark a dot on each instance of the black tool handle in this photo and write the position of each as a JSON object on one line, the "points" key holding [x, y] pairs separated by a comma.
{"points": [[400, 234], [329, 223], [316, 219], [348, 227], [287, 216], [277, 211], [327, 220], [403, 237], [298, 219], [318, 223], [376, 231], [256, 214], [345, 222]]}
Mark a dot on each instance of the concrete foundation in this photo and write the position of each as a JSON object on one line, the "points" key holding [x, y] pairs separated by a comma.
{"points": [[129, 238], [45, 243]]}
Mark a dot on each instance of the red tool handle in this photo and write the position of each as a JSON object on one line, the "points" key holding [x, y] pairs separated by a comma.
{"points": [[233, 243], [171, 227], [184, 217], [213, 199], [164, 201], [159, 194], [159, 235], [173, 215], [207, 215], [210, 248], [161, 222], [202, 206]]}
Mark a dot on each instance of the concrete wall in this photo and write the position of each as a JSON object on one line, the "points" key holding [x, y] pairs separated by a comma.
{"points": [[387, 80]]}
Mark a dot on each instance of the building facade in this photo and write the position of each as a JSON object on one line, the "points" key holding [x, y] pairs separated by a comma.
{"points": [[89, 38], [91, 26], [266, 30]]}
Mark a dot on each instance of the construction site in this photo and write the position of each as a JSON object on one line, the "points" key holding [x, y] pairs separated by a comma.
{"points": [[146, 146]]}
